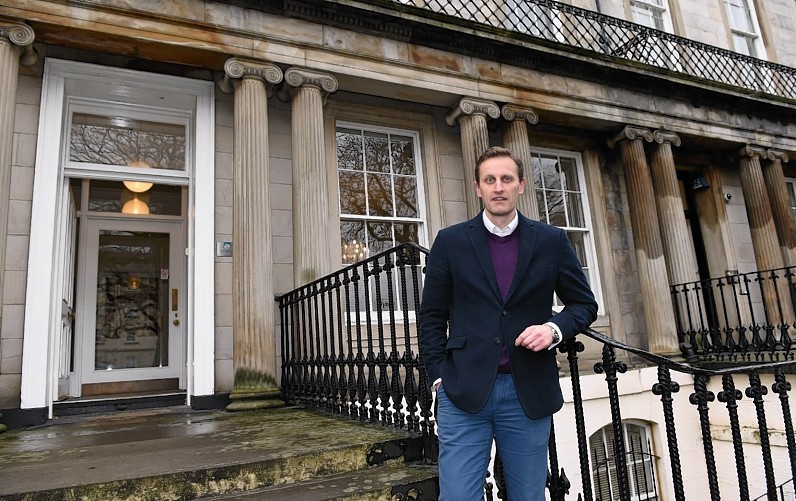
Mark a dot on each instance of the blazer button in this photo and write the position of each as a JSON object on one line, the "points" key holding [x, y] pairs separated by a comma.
{"points": [[497, 340], [505, 313]]}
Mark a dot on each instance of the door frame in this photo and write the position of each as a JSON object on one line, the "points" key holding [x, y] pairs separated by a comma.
{"points": [[39, 385], [87, 296]]}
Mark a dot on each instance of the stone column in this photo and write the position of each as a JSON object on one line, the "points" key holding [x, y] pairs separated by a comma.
{"points": [[471, 115], [254, 343], [16, 49], [678, 246], [768, 255], [515, 138], [780, 204], [653, 275], [308, 90]]}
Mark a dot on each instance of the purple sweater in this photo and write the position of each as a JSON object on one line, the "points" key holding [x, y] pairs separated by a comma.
{"points": [[504, 252]]}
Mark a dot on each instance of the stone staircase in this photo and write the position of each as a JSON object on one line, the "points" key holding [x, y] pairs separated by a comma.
{"points": [[178, 454]]}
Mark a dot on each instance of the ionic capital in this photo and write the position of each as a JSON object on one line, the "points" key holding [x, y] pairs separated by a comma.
{"points": [[21, 35], [472, 106], [629, 133], [775, 155], [666, 136], [236, 68], [751, 151], [297, 77], [513, 112]]}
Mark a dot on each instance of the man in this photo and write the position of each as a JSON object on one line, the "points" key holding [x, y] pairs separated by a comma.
{"points": [[487, 333]]}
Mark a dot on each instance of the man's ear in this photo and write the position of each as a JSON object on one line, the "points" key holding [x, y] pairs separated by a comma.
{"points": [[477, 188], [522, 186]]}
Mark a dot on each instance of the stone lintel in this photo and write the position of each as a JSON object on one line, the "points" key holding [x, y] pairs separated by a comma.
{"points": [[21, 35], [751, 151], [666, 136], [297, 77], [513, 112], [775, 155], [631, 132], [236, 68], [472, 106]]}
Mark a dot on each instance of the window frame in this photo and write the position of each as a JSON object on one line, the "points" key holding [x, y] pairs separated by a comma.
{"points": [[756, 35], [606, 436], [98, 107], [588, 230], [422, 220]]}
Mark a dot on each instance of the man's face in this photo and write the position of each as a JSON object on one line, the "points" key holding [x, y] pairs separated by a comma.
{"points": [[499, 187]]}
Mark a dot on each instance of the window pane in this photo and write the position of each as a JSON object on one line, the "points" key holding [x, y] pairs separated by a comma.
{"points": [[575, 210], [403, 155], [405, 197], [555, 208], [352, 193], [124, 141], [740, 16], [377, 156], [113, 196], [577, 240], [569, 174], [379, 237], [744, 45], [405, 233], [379, 195], [349, 149], [551, 180], [352, 241]]}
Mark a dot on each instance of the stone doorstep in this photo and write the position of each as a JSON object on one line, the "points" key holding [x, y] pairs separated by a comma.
{"points": [[372, 484], [332, 474], [201, 483]]}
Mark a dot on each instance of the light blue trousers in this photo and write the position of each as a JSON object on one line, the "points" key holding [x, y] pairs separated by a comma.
{"points": [[465, 444]]}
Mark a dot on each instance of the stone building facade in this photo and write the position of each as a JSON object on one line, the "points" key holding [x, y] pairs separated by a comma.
{"points": [[247, 114]]}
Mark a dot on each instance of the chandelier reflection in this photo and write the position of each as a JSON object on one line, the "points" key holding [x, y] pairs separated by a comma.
{"points": [[134, 200], [354, 251]]}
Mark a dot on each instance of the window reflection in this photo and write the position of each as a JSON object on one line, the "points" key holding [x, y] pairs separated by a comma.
{"points": [[110, 140], [378, 183]]}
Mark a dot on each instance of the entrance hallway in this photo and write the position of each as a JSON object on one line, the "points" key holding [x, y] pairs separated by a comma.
{"points": [[180, 453]]}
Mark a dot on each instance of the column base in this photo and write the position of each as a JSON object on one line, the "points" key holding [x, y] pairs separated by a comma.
{"points": [[254, 391]]}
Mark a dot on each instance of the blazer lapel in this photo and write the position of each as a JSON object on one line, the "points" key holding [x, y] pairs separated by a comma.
{"points": [[527, 242], [481, 249]]}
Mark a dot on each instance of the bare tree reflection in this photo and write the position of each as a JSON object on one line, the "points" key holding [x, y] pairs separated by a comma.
{"points": [[98, 141]]}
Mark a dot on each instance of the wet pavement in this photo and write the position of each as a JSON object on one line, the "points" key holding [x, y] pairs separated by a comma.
{"points": [[179, 453]]}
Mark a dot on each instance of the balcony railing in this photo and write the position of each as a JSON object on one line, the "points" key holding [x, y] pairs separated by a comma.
{"points": [[349, 348], [747, 317], [561, 24]]}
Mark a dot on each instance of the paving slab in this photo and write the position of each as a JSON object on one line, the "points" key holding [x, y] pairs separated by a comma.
{"points": [[179, 453]]}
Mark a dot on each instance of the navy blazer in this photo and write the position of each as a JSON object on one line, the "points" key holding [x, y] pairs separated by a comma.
{"points": [[464, 320]]}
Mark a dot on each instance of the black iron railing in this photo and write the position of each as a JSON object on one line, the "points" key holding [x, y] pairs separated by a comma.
{"points": [[563, 24], [738, 317], [785, 492], [349, 347]]}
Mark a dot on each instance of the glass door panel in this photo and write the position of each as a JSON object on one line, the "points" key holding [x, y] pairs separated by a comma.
{"points": [[132, 300]]}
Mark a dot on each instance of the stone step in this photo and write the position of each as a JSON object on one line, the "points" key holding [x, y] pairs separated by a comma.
{"points": [[387, 482], [178, 453]]}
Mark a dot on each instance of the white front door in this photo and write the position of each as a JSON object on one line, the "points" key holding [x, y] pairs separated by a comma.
{"points": [[130, 322]]}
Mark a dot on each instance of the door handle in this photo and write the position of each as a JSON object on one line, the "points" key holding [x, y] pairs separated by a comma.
{"points": [[176, 322]]}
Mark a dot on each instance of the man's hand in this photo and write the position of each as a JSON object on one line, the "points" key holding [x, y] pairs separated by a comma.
{"points": [[535, 337]]}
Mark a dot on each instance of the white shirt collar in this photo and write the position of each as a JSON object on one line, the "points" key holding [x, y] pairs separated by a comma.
{"points": [[508, 230]]}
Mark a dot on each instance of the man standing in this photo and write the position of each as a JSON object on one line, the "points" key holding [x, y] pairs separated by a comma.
{"points": [[487, 333]]}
